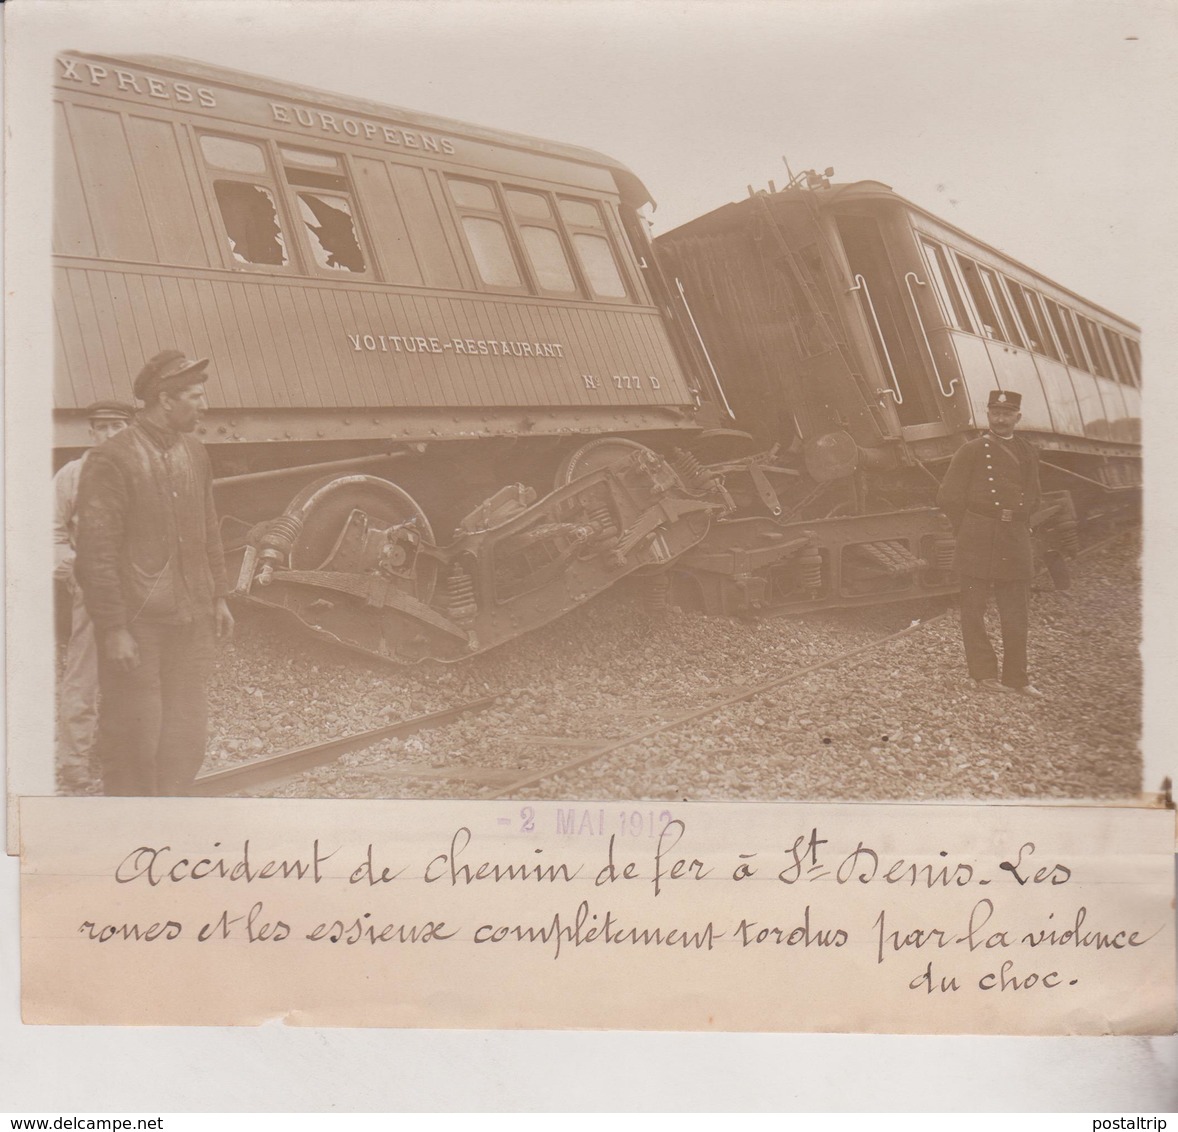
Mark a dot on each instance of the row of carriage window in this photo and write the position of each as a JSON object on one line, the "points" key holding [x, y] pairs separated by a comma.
{"points": [[519, 239], [1008, 311]]}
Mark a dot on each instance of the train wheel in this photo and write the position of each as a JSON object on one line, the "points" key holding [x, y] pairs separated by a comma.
{"points": [[596, 454], [324, 507]]}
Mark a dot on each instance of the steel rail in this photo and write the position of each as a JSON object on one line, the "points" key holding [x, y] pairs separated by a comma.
{"points": [[260, 772], [699, 713]]}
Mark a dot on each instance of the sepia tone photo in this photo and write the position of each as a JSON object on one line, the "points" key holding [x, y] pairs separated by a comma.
{"points": [[399, 456], [582, 415]]}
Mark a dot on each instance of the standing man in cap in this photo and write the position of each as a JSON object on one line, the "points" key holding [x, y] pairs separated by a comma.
{"points": [[989, 493], [152, 573], [78, 691]]}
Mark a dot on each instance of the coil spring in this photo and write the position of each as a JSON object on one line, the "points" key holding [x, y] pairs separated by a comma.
{"points": [[281, 535], [689, 469], [604, 521], [944, 550], [460, 600], [1067, 535], [810, 570]]}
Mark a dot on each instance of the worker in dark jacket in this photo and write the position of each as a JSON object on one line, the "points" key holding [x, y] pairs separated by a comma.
{"points": [[152, 573], [989, 493]]}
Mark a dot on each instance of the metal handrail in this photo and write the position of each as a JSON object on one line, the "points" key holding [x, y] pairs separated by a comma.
{"points": [[707, 357], [861, 285], [924, 334]]}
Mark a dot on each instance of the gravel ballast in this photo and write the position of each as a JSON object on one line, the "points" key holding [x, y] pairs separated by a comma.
{"points": [[900, 722]]}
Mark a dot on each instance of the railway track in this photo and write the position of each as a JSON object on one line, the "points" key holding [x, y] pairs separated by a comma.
{"points": [[276, 769], [266, 774]]}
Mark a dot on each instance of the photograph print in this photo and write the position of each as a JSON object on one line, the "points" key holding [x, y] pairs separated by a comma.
{"points": [[666, 407]]}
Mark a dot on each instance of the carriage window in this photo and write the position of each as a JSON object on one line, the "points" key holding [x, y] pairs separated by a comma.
{"points": [[593, 248], [545, 250], [548, 260], [531, 206], [1028, 312], [1095, 347], [472, 194], [991, 326], [1115, 346], [248, 208], [251, 222], [492, 251], [998, 298], [580, 213], [597, 259], [329, 221], [329, 216], [233, 154], [946, 286], [1134, 349], [487, 235], [1065, 334]]}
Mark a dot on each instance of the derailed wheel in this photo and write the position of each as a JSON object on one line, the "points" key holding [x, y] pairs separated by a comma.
{"points": [[325, 507], [595, 455]]}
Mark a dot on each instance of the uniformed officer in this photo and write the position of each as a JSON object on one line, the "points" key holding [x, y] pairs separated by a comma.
{"points": [[989, 493]]}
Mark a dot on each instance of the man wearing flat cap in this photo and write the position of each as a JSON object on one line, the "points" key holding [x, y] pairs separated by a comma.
{"points": [[152, 573], [78, 692], [989, 494]]}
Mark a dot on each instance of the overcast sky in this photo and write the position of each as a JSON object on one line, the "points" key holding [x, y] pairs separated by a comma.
{"points": [[1045, 127]]}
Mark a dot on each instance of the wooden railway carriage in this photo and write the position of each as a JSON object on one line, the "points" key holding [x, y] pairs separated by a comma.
{"points": [[455, 394], [863, 335], [417, 328]]}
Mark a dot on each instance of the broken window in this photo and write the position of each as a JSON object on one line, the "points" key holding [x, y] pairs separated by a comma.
{"points": [[329, 220], [328, 215], [248, 209], [251, 222]]}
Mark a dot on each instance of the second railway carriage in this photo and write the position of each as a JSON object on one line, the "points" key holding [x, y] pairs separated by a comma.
{"points": [[861, 335], [442, 362]]}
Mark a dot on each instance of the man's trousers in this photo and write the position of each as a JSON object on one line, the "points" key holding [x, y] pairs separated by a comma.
{"points": [[78, 693], [153, 721], [1012, 600]]}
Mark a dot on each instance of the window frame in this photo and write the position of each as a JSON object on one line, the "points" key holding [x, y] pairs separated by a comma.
{"points": [[210, 174], [553, 224], [370, 272], [527, 285], [603, 232], [945, 285]]}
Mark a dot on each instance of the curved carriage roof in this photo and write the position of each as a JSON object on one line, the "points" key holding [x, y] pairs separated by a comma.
{"points": [[632, 189], [853, 191]]}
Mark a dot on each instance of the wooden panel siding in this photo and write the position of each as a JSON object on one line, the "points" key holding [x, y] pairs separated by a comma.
{"points": [[392, 248], [426, 232], [164, 185], [72, 231], [276, 344], [120, 225]]}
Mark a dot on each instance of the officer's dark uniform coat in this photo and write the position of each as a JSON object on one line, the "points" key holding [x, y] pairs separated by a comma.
{"points": [[989, 493]]}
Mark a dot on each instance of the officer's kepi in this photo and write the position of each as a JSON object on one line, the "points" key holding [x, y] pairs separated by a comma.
{"points": [[1004, 399]]}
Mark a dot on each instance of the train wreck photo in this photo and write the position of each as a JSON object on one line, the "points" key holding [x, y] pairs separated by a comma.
{"points": [[463, 409]]}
